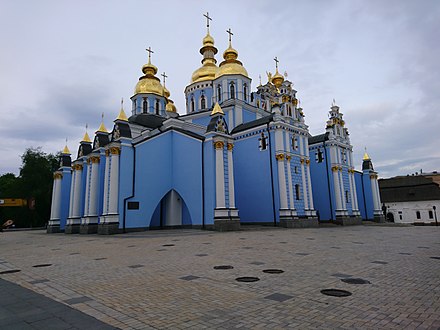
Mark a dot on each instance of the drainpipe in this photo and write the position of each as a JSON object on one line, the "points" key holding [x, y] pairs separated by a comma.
{"points": [[328, 183], [271, 179]]}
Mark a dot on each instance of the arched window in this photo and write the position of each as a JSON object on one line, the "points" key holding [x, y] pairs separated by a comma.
{"points": [[192, 104], [134, 107], [319, 156], [347, 199], [145, 105], [202, 102], [232, 90], [297, 192], [157, 106], [289, 111], [418, 215], [245, 91], [219, 93]]}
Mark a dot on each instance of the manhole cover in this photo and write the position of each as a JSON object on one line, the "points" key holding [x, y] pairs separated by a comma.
{"points": [[273, 271], [10, 271], [224, 267], [438, 258], [355, 281], [247, 279], [336, 293], [168, 245], [41, 265]]}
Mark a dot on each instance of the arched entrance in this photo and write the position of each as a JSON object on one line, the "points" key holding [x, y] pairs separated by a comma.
{"points": [[390, 217], [170, 212]]}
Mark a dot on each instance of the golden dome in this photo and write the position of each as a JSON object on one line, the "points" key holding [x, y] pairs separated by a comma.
{"points": [[170, 107], [66, 151], [149, 83], [86, 138], [277, 79], [166, 92], [209, 68], [231, 65]]}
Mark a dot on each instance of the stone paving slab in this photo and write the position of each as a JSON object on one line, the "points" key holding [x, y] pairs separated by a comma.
{"points": [[166, 279]]}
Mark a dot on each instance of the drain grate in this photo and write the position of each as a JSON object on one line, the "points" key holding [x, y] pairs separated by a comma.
{"points": [[247, 279], [336, 293], [41, 265], [379, 262], [438, 258], [273, 271], [168, 245], [201, 255], [100, 258], [355, 281], [223, 267], [10, 271]]}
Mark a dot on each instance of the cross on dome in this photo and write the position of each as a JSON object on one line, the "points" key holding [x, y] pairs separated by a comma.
{"points": [[149, 53], [276, 62], [230, 35], [164, 77], [207, 20]]}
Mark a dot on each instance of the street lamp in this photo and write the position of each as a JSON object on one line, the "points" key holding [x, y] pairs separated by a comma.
{"points": [[435, 215]]}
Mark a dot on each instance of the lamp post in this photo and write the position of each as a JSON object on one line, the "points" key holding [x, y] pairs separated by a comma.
{"points": [[435, 215]]}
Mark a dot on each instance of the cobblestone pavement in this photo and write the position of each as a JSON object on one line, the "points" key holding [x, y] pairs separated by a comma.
{"points": [[166, 279]]}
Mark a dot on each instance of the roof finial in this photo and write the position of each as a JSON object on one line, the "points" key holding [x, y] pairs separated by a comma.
{"points": [[276, 62], [102, 126], [207, 20], [122, 116], [122, 103], [259, 76], [66, 150], [366, 156], [230, 36], [149, 54], [164, 77], [333, 103]]}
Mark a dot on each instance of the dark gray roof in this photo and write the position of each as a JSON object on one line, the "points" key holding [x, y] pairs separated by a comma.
{"points": [[408, 188], [252, 124], [318, 138], [147, 119]]}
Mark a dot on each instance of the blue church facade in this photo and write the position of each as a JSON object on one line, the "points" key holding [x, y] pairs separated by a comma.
{"points": [[236, 157]]}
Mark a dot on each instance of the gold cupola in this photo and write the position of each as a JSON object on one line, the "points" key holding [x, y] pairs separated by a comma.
{"points": [[122, 116], [231, 65], [277, 78], [102, 128], [170, 107], [209, 64], [86, 137], [66, 150], [149, 83]]}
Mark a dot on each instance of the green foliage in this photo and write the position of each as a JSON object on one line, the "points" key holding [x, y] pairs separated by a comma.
{"points": [[35, 181]]}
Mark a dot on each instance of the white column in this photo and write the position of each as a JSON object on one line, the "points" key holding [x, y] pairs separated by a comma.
{"points": [[282, 181], [341, 184], [86, 197], [309, 184], [374, 191], [56, 197], [335, 170], [93, 203], [106, 183], [72, 195], [219, 175], [289, 176], [303, 175], [77, 191], [231, 177], [114, 181]]}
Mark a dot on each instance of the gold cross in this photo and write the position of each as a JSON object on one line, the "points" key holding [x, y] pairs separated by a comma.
{"points": [[230, 34], [207, 20], [149, 53], [276, 62]]}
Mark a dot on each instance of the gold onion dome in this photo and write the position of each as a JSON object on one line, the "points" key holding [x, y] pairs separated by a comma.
{"points": [[149, 83], [209, 68], [231, 65], [166, 92], [277, 79], [170, 107]]}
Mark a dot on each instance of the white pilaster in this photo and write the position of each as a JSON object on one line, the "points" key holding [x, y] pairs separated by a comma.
{"points": [[231, 177], [289, 176], [106, 183], [56, 198], [219, 175], [304, 185], [114, 181], [282, 181], [309, 184], [72, 195], [335, 170], [77, 191]]}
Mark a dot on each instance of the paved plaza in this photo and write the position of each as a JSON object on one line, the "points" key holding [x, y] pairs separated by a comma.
{"points": [[166, 279]]}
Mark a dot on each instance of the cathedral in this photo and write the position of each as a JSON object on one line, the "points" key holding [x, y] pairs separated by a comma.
{"points": [[236, 157]]}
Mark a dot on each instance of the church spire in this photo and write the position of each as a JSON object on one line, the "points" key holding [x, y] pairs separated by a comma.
{"points": [[102, 126], [86, 137], [122, 116]]}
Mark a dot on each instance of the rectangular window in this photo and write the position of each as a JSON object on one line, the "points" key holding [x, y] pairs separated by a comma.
{"points": [[418, 214], [133, 206], [431, 215], [297, 192]]}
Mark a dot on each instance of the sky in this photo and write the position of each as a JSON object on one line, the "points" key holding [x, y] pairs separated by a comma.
{"points": [[64, 63]]}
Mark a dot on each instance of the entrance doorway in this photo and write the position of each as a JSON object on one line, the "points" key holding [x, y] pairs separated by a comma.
{"points": [[390, 217], [170, 212]]}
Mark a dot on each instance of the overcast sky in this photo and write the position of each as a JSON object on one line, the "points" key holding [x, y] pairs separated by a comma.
{"points": [[63, 63]]}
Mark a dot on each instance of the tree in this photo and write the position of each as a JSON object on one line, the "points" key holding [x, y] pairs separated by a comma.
{"points": [[35, 181]]}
